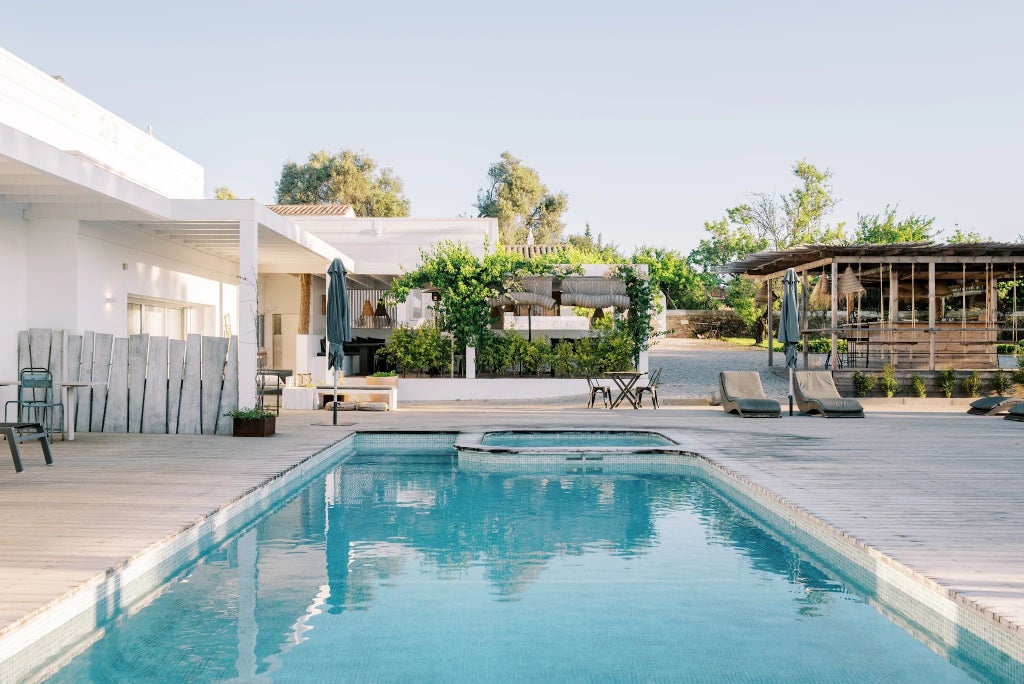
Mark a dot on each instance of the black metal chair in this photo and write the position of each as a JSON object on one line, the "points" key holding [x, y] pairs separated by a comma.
{"points": [[651, 388], [36, 402], [16, 433], [597, 388]]}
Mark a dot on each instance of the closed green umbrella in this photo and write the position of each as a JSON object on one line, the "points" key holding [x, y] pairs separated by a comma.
{"points": [[339, 324], [789, 326]]}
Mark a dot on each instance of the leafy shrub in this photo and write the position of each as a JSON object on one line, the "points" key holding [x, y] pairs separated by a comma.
{"points": [[862, 384], [255, 413], [822, 345], [972, 384], [1018, 375], [946, 381], [1007, 348], [917, 387], [887, 383], [384, 374], [1001, 382], [419, 350]]}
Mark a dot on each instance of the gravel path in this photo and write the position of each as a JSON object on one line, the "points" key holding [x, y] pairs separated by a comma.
{"points": [[691, 367]]}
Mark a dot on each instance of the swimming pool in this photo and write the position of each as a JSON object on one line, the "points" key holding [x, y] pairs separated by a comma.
{"points": [[396, 564]]}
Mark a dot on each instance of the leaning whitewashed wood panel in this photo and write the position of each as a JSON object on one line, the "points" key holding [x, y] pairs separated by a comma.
{"points": [[229, 393], [56, 368], [74, 357], [154, 414], [82, 406], [102, 347], [175, 371], [116, 414], [215, 351], [24, 358], [191, 385], [138, 347]]}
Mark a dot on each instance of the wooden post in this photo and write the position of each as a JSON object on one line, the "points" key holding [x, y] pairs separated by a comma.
{"points": [[805, 297], [771, 343], [305, 280], [834, 360], [931, 315]]}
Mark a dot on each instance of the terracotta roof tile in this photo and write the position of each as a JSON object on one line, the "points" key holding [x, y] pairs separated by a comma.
{"points": [[312, 209]]}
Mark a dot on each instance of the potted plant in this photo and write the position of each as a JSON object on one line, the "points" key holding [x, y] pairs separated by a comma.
{"points": [[253, 422], [381, 379]]}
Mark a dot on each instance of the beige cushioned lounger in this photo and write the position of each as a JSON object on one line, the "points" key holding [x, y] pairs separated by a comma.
{"points": [[743, 394], [816, 393]]}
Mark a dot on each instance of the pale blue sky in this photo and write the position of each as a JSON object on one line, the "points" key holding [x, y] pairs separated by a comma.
{"points": [[653, 116]]}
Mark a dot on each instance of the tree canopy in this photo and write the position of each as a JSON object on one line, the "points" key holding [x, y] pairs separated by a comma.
{"points": [[344, 178], [885, 229], [519, 201]]}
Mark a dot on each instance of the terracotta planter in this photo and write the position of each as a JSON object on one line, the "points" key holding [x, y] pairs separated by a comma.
{"points": [[260, 427]]}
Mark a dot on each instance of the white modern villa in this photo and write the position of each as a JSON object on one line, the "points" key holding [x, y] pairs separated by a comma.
{"points": [[105, 234]]}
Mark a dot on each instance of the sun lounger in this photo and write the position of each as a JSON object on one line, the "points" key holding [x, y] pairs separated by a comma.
{"points": [[990, 406], [743, 394], [816, 392], [1016, 412]]}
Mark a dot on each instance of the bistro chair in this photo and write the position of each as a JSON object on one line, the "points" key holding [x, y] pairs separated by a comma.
{"points": [[597, 388], [651, 388], [36, 402]]}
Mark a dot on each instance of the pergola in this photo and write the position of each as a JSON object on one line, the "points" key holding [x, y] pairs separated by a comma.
{"points": [[916, 305]]}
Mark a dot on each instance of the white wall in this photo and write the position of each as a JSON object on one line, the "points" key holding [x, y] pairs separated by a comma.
{"points": [[13, 248]]}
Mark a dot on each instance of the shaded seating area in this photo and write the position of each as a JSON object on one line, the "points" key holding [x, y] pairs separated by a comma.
{"points": [[743, 394], [816, 393], [16, 433], [990, 406]]}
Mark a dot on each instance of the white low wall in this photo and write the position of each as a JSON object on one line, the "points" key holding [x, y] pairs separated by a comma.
{"points": [[457, 389]]}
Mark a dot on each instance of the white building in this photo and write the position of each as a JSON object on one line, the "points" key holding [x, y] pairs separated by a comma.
{"points": [[104, 228]]}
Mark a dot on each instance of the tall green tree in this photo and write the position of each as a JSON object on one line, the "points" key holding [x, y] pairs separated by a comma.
{"points": [[884, 228], [671, 273], [344, 178], [520, 202]]}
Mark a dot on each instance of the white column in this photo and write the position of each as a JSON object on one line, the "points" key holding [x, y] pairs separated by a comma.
{"points": [[470, 363], [834, 361], [248, 345]]}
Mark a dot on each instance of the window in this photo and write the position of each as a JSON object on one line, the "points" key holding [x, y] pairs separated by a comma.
{"points": [[154, 317]]}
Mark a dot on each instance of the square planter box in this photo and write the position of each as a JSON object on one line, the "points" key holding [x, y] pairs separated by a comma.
{"points": [[261, 427]]}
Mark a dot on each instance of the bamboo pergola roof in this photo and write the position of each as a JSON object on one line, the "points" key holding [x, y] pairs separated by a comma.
{"points": [[765, 265]]}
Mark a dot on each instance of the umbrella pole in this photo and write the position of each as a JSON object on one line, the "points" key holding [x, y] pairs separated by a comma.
{"points": [[791, 390], [335, 397]]}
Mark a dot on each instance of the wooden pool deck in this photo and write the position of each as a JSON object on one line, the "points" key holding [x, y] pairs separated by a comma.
{"points": [[934, 488]]}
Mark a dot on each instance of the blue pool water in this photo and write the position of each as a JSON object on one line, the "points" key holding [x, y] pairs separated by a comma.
{"points": [[400, 567], [573, 438]]}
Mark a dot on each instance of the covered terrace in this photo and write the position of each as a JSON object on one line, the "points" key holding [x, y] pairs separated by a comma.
{"points": [[917, 306]]}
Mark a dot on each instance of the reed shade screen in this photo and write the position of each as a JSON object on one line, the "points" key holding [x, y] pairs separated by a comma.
{"points": [[535, 291], [594, 292], [821, 295], [849, 284]]}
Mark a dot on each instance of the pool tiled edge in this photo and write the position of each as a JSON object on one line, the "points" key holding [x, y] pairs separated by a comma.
{"points": [[56, 632]]}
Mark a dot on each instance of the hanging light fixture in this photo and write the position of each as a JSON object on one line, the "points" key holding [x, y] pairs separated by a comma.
{"points": [[598, 313], [367, 308], [381, 310], [849, 284]]}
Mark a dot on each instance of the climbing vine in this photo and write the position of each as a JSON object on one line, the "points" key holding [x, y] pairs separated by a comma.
{"points": [[637, 322]]}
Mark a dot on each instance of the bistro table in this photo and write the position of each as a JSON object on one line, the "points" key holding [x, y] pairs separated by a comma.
{"points": [[625, 381], [70, 392]]}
